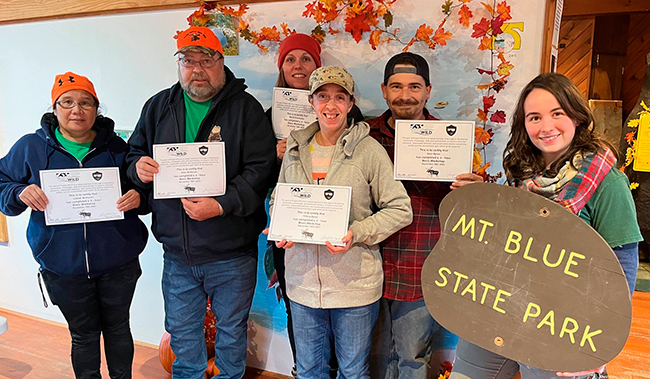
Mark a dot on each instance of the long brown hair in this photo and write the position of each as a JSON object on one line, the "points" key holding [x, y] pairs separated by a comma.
{"points": [[522, 159]]}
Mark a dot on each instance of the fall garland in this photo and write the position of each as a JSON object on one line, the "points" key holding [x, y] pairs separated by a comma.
{"points": [[375, 18], [630, 137]]}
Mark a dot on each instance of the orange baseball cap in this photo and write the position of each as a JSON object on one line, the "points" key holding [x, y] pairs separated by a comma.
{"points": [[198, 36], [69, 81]]}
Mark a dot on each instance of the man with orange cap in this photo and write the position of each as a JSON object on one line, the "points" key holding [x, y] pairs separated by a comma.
{"points": [[209, 243]]}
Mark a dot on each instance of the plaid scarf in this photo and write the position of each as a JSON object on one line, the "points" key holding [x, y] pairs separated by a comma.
{"points": [[573, 188]]}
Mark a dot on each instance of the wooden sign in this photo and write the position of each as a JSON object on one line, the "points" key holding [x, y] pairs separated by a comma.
{"points": [[521, 276]]}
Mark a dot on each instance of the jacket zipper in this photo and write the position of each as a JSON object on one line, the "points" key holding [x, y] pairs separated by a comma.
{"points": [[81, 165], [185, 236]]}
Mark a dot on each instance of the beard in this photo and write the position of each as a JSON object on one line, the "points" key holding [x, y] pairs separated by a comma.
{"points": [[205, 91]]}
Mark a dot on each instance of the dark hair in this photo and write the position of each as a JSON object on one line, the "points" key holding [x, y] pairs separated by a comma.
{"points": [[522, 159]]}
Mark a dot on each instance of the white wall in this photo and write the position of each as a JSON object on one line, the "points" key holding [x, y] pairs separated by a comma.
{"points": [[129, 58]]}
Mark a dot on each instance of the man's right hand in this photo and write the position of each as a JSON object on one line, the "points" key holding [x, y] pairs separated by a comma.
{"points": [[146, 167]]}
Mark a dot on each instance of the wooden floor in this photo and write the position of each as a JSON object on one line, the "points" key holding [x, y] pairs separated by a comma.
{"points": [[38, 349]]}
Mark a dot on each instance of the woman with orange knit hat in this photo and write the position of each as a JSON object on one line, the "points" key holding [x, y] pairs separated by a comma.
{"points": [[298, 57], [90, 269]]}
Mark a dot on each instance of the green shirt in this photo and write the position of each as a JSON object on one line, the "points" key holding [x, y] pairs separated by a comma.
{"points": [[77, 149], [195, 112], [611, 211]]}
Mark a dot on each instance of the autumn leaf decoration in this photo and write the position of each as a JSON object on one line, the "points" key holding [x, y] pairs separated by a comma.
{"points": [[630, 138]]}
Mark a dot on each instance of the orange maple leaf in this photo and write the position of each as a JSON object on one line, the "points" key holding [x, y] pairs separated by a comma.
{"points": [[441, 37], [484, 86], [481, 170], [477, 160], [629, 137], [374, 38], [503, 9], [424, 32], [486, 43], [465, 14], [357, 8], [268, 34], [242, 25], [356, 26], [482, 115], [481, 136], [322, 14], [411, 42], [488, 7], [231, 11]]}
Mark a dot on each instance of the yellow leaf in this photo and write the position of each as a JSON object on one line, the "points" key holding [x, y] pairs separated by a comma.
{"points": [[634, 185], [633, 123], [477, 161], [504, 69], [644, 106]]}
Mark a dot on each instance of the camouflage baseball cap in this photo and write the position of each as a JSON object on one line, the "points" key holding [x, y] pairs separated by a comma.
{"points": [[331, 74]]}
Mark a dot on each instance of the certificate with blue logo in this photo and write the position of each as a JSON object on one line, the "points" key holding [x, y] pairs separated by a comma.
{"points": [[309, 213], [291, 111], [195, 169], [434, 150], [81, 195]]}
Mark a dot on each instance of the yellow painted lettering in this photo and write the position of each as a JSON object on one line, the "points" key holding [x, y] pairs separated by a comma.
{"points": [[465, 226], [444, 278], [526, 256], [545, 257], [549, 320], [586, 336], [471, 288], [458, 277], [570, 262], [529, 311], [513, 238], [498, 300], [565, 328], [485, 224], [487, 288]]}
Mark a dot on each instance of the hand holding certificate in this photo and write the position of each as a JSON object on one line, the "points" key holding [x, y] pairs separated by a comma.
{"points": [[189, 170], [310, 213], [291, 110], [81, 195], [433, 150]]}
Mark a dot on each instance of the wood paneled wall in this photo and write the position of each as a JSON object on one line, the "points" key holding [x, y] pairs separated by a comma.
{"points": [[15, 11], [635, 66], [575, 50]]}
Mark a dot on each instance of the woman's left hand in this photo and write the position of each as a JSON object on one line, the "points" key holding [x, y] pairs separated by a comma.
{"points": [[128, 201], [465, 179], [347, 240], [582, 373]]}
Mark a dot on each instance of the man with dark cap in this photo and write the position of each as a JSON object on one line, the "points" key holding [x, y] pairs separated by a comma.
{"points": [[404, 330], [209, 243]]}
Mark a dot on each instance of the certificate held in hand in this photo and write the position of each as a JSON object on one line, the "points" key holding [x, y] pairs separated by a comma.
{"points": [[309, 213], [434, 150], [81, 195], [189, 170], [291, 111]]}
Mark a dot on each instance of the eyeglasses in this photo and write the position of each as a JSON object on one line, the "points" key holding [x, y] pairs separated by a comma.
{"points": [[84, 104], [205, 63]]}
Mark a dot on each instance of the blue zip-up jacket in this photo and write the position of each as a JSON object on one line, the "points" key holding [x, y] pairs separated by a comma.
{"points": [[88, 249], [250, 159]]}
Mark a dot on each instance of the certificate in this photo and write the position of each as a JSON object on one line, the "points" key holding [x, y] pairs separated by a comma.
{"points": [[79, 195], [309, 213], [433, 150], [189, 170], [291, 111]]}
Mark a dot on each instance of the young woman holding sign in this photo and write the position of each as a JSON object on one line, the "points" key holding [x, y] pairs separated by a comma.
{"points": [[554, 151]]}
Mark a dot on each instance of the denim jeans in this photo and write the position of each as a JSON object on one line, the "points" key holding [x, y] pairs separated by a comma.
{"points": [[628, 257], [97, 306], [230, 284], [474, 362], [349, 328], [402, 340]]}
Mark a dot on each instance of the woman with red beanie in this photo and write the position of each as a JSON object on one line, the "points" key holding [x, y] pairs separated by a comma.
{"points": [[299, 56]]}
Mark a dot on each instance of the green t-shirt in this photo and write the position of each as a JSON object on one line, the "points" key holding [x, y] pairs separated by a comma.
{"points": [[611, 211], [195, 112], [77, 149]]}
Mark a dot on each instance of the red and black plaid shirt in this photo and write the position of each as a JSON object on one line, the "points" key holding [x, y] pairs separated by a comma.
{"points": [[405, 251]]}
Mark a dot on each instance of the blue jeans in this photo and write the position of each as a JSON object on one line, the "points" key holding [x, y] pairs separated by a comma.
{"points": [[628, 257], [402, 340], [474, 362], [351, 331], [230, 284]]}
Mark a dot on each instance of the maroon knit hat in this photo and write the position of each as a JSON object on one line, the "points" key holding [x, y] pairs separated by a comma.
{"points": [[299, 41]]}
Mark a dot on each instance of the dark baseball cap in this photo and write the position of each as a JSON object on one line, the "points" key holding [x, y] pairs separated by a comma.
{"points": [[418, 65]]}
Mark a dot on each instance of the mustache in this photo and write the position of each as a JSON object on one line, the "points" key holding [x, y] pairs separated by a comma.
{"points": [[400, 102], [198, 77]]}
